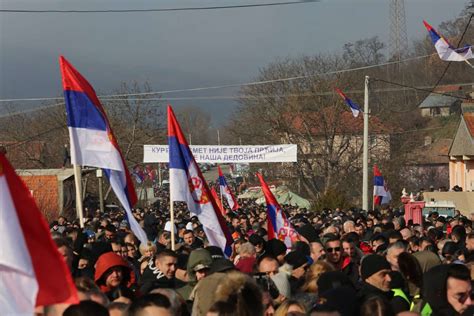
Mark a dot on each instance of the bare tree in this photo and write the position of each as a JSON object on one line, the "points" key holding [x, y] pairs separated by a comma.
{"points": [[136, 120], [195, 123]]}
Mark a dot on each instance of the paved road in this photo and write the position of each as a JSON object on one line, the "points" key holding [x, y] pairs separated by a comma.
{"points": [[213, 174]]}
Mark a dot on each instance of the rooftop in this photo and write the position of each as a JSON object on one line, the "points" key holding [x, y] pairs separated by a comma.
{"points": [[434, 100], [62, 174], [339, 122]]}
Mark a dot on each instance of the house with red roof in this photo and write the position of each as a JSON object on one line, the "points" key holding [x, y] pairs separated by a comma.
{"points": [[329, 128]]}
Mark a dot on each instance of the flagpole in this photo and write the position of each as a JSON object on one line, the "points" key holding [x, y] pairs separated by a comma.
{"points": [[220, 193], [77, 181], [99, 174], [365, 159], [172, 222], [469, 63]]}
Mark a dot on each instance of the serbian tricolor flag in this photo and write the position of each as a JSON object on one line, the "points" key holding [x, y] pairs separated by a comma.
{"points": [[92, 141], [226, 192], [445, 50], [352, 105], [218, 201], [381, 193], [32, 272], [278, 225], [138, 174], [188, 185]]}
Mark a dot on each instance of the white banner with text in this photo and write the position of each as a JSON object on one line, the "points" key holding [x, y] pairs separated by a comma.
{"points": [[227, 154]]}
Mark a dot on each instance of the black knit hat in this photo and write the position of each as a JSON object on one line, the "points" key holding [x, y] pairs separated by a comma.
{"points": [[216, 252], [331, 280], [373, 264], [275, 247], [222, 265], [255, 240], [450, 248], [297, 258], [308, 232]]}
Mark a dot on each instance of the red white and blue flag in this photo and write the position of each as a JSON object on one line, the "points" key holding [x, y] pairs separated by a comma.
{"points": [[218, 201], [188, 185], [381, 193], [278, 225], [226, 192], [445, 50], [32, 271], [93, 142], [352, 105], [150, 172], [138, 174]]}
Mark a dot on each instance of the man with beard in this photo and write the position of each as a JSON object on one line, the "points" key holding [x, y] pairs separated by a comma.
{"points": [[446, 291], [340, 261]]}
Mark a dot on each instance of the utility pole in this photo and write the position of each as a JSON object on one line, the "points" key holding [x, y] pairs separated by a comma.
{"points": [[218, 138], [365, 159]]}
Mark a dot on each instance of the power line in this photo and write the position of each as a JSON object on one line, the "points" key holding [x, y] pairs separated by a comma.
{"points": [[241, 6], [233, 85], [459, 43], [31, 110], [32, 138], [323, 93], [437, 82], [425, 90], [233, 97]]}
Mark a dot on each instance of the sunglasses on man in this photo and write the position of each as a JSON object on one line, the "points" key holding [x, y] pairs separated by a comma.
{"points": [[335, 249], [462, 297]]}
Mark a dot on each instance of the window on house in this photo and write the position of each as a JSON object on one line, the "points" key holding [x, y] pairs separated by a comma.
{"points": [[435, 111]]}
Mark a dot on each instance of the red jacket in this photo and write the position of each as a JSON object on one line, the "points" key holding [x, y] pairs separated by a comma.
{"points": [[109, 260]]}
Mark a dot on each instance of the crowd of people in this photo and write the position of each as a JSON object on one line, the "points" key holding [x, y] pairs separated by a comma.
{"points": [[343, 262]]}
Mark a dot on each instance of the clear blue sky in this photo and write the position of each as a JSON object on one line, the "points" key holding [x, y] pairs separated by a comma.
{"points": [[175, 50]]}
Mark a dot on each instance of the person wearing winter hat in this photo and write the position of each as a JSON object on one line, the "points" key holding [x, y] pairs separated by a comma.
{"points": [[221, 265], [308, 232], [199, 263], [114, 276], [310, 235], [216, 252], [276, 249], [300, 264], [259, 244], [333, 279], [452, 253], [446, 291], [375, 274], [342, 299]]}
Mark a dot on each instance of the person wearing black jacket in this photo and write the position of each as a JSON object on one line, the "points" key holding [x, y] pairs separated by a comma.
{"points": [[375, 275]]}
